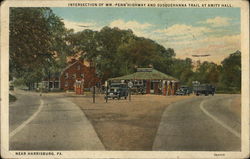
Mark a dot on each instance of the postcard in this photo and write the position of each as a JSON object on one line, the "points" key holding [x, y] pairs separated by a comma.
{"points": [[125, 79]]}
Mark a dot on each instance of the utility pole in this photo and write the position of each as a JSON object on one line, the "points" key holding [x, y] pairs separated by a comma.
{"points": [[94, 94]]}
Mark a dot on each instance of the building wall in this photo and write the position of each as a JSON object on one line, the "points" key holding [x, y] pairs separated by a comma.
{"points": [[77, 71]]}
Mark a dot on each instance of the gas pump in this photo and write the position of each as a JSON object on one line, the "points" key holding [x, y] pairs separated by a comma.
{"points": [[79, 87]]}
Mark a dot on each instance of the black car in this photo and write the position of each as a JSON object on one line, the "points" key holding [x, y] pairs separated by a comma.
{"points": [[117, 90], [205, 89], [184, 90]]}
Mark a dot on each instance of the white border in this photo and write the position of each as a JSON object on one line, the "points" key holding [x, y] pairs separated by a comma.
{"points": [[5, 153]]}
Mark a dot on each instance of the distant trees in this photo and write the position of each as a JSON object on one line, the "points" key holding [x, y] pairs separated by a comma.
{"points": [[208, 72], [183, 70], [226, 77]]}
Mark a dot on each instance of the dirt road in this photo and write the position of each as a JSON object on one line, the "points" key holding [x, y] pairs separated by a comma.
{"points": [[124, 124]]}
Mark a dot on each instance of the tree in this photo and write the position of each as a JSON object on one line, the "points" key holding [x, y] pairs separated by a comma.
{"points": [[116, 52], [231, 72], [183, 70], [208, 72], [37, 39]]}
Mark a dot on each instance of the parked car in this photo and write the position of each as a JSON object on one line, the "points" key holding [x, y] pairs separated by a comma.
{"points": [[138, 90], [205, 89], [184, 90], [117, 90]]}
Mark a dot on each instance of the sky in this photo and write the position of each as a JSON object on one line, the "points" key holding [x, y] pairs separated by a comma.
{"points": [[189, 31]]}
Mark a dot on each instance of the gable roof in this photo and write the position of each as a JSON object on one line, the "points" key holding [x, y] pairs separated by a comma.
{"points": [[70, 65], [145, 74]]}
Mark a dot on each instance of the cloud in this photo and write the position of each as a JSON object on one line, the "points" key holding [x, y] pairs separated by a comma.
{"points": [[139, 29], [134, 25], [182, 31], [217, 47], [79, 26], [217, 21]]}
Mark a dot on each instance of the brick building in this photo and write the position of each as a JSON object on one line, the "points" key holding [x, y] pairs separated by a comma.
{"points": [[77, 71]]}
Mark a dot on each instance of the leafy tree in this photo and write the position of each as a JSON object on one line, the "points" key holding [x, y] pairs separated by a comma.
{"points": [[208, 72], [183, 70], [117, 52], [231, 71], [37, 39]]}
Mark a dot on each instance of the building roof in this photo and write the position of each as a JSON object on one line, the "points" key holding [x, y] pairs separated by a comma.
{"points": [[70, 65], [145, 74]]}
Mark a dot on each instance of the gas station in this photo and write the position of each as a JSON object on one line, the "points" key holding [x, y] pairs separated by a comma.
{"points": [[151, 81]]}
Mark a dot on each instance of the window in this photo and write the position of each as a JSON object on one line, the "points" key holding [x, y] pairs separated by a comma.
{"points": [[151, 85], [74, 76], [82, 75], [56, 84], [66, 84], [66, 75], [78, 67], [50, 84]]}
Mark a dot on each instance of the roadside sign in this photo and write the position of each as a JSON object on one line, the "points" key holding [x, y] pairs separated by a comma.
{"points": [[130, 84]]}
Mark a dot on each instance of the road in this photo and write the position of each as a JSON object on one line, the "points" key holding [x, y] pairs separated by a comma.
{"points": [[199, 124], [49, 123]]}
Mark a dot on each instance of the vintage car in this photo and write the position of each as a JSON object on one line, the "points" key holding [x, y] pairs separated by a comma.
{"points": [[184, 90], [117, 90], [205, 89]]}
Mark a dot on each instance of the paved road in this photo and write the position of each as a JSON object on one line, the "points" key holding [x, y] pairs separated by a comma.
{"points": [[20, 111], [50, 123], [199, 124]]}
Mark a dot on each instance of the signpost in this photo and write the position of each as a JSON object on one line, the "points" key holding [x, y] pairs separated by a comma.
{"points": [[106, 86], [130, 85], [94, 94]]}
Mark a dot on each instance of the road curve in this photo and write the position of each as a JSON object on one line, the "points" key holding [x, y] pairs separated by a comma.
{"points": [[199, 124], [59, 125]]}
